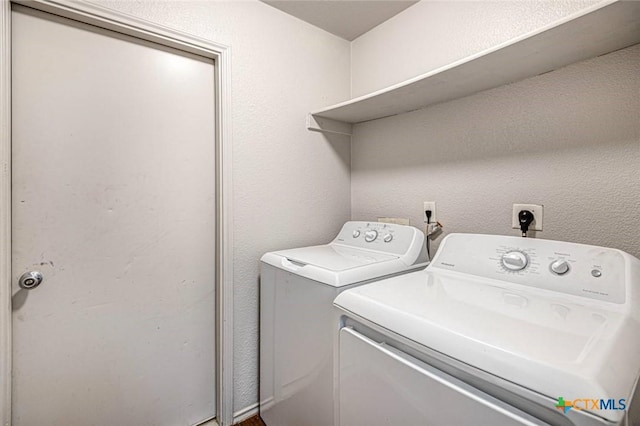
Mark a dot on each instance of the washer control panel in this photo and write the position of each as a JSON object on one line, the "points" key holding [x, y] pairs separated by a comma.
{"points": [[578, 269], [384, 237]]}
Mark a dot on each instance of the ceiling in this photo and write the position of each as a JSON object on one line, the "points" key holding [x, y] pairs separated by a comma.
{"points": [[344, 18]]}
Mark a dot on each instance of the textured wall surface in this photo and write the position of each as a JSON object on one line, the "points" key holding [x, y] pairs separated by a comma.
{"points": [[431, 34], [291, 186], [569, 140]]}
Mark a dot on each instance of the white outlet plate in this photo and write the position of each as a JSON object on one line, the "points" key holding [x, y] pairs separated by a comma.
{"points": [[429, 205], [538, 216], [396, 220]]}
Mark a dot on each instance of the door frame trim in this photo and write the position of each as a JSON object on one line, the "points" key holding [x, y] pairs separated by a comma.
{"points": [[109, 19]]}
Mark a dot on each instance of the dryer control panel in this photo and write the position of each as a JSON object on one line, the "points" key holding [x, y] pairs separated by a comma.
{"points": [[582, 270]]}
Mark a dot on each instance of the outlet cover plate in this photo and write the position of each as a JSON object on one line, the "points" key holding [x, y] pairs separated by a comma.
{"points": [[396, 220], [429, 205], [538, 216]]}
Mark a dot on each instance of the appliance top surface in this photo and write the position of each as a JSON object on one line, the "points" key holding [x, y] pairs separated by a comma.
{"points": [[568, 332], [362, 251], [335, 257], [362, 244]]}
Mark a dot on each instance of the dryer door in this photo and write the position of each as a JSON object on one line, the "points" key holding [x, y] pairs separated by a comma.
{"points": [[380, 385]]}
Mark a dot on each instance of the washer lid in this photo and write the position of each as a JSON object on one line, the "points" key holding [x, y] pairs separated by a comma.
{"points": [[555, 344], [337, 265], [334, 257]]}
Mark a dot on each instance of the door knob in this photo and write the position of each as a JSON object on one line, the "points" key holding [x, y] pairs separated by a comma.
{"points": [[30, 280]]}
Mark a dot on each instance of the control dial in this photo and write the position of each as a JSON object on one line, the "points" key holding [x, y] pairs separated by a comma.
{"points": [[515, 260], [356, 234], [370, 235], [387, 238], [559, 267]]}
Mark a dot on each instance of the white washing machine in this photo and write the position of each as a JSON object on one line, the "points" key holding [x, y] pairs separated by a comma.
{"points": [[495, 331], [297, 317]]}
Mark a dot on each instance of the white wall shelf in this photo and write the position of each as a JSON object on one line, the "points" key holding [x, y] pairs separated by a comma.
{"points": [[601, 29]]}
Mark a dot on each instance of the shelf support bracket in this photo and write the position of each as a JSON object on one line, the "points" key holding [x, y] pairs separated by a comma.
{"points": [[327, 125]]}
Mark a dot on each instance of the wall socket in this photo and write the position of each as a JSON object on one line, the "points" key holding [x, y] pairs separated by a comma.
{"points": [[429, 205], [536, 209], [396, 220]]}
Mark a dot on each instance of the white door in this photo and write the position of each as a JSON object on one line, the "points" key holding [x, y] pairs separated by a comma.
{"points": [[113, 202]]}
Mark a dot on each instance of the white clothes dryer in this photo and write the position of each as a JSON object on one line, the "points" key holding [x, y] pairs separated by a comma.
{"points": [[495, 331], [297, 317]]}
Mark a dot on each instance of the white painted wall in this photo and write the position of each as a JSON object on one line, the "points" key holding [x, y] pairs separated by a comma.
{"points": [[431, 34], [569, 140], [291, 186]]}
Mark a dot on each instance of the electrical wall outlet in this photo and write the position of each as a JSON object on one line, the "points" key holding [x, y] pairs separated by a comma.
{"points": [[396, 220], [429, 205], [537, 211]]}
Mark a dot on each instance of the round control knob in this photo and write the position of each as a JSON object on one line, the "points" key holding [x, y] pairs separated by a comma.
{"points": [[356, 234], [388, 238], [514, 260], [370, 235], [559, 267]]}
